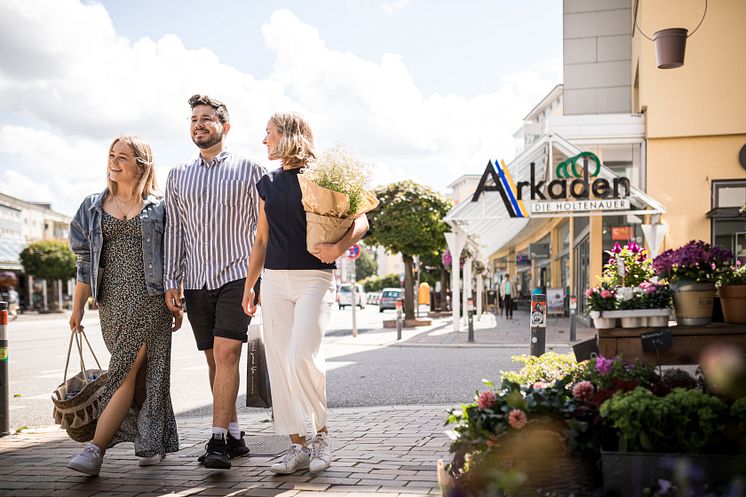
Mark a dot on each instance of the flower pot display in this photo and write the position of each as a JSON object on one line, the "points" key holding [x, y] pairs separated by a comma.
{"points": [[693, 270], [656, 321], [733, 302], [604, 323], [639, 318], [693, 303], [670, 46]]}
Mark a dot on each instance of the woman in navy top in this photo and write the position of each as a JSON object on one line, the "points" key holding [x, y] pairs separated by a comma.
{"points": [[298, 293]]}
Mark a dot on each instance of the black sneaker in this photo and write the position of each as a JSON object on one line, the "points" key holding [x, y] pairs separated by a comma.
{"points": [[217, 454], [236, 448]]}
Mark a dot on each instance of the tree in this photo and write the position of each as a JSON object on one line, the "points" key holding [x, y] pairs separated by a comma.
{"points": [[408, 220], [365, 265], [50, 260]]}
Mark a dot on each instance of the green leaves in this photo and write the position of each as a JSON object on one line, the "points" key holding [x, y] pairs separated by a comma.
{"points": [[51, 260]]}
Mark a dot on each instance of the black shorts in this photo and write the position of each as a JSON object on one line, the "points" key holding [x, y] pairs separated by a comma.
{"points": [[218, 313]]}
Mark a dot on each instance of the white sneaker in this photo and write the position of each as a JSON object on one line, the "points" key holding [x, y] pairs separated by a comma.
{"points": [[321, 453], [88, 462], [295, 459], [150, 460]]}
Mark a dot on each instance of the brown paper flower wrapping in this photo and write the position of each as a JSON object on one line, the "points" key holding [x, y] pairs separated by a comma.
{"points": [[327, 215]]}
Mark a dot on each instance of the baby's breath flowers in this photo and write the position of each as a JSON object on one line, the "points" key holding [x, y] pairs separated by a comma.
{"points": [[341, 171]]}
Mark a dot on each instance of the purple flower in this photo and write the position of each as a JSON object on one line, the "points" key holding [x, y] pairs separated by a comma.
{"points": [[603, 365], [617, 248]]}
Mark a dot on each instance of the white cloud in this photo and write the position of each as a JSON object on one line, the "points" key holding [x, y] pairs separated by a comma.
{"points": [[86, 84], [391, 7]]}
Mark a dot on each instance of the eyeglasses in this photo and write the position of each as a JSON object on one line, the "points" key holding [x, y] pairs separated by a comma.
{"points": [[205, 120]]}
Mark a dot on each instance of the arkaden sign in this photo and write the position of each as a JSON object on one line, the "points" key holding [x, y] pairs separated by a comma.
{"points": [[577, 188]]}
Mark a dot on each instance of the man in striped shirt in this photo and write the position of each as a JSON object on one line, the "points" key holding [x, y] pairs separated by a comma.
{"points": [[211, 217]]}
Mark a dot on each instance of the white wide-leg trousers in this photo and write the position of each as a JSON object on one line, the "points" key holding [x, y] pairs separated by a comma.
{"points": [[296, 305]]}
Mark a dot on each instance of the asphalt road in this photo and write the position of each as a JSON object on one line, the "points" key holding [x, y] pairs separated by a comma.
{"points": [[357, 375]]}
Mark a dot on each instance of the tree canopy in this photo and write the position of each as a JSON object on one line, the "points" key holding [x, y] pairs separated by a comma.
{"points": [[51, 260], [409, 220]]}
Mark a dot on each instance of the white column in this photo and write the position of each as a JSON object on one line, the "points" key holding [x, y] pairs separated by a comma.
{"points": [[30, 295], [467, 283], [59, 294], [480, 287], [44, 294], [456, 242]]}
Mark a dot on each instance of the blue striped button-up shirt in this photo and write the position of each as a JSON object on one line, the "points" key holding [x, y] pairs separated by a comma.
{"points": [[211, 217]]}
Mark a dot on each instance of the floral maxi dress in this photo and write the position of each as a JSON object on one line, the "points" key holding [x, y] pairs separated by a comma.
{"points": [[130, 318]]}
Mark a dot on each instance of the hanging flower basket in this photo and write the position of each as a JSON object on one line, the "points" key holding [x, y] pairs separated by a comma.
{"points": [[670, 45]]}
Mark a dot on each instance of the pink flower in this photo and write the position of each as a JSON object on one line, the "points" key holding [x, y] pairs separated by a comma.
{"points": [[486, 399], [603, 365], [588, 292], [539, 384], [650, 288], [713, 266], [605, 294], [583, 391], [517, 419]]}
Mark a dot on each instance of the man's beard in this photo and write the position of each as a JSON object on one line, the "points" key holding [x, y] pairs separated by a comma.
{"points": [[210, 140]]}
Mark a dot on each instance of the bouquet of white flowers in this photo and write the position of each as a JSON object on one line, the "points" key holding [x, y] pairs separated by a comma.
{"points": [[334, 194]]}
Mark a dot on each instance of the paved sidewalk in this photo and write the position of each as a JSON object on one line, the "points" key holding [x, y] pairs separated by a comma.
{"points": [[489, 331], [384, 451]]}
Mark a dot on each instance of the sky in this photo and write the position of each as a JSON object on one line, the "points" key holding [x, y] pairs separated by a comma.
{"points": [[426, 90]]}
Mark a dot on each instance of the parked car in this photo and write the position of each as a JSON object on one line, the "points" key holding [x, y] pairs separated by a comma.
{"points": [[389, 296], [344, 296], [374, 298]]}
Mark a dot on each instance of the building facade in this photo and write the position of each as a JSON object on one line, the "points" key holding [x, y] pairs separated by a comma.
{"points": [[670, 138], [22, 223]]}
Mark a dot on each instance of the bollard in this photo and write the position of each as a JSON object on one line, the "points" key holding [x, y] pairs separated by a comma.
{"points": [[4, 387], [538, 323], [470, 314], [573, 316], [399, 323]]}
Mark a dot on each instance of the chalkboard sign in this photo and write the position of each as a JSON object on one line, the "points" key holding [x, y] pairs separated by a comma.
{"points": [[657, 340], [585, 350]]}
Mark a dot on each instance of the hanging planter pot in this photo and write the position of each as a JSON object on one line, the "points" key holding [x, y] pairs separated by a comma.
{"points": [[670, 45]]}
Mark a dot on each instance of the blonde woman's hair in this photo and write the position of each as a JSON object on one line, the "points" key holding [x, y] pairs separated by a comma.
{"points": [[295, 148], [143, 155]]}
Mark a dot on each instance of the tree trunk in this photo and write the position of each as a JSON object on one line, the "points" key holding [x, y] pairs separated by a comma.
{"points": [[409, 297], [53, 296]]}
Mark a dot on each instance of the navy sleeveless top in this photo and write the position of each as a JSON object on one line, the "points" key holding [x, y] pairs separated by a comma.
{"points": [[286, 218]]}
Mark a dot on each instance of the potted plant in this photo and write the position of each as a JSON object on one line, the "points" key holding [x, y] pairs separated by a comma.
{"points": [[732, 292], [657, 295], [692, 271], [599, 299], [655, 434]]}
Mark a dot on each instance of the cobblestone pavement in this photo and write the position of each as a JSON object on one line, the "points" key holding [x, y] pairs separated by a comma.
{"points": [[382, 451]]}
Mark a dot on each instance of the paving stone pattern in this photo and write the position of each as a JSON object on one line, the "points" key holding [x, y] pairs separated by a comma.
{"points": [[385, 451]]}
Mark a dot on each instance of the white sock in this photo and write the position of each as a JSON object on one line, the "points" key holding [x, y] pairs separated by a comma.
{"points": [[234, 430], [218, 432]]}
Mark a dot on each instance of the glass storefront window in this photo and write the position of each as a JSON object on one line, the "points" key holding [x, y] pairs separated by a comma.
{"points": [[623, 159], [728, 226]]}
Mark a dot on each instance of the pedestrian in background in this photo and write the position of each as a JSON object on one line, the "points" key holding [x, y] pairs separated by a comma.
{"points": [[211, 205], [506, 289], [298, 293], [117, 236]]}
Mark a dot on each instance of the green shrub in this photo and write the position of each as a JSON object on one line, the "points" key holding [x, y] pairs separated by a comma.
{"points": [[546, 368]]}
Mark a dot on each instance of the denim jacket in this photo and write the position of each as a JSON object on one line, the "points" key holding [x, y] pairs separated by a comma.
{"points": [[86, 240]]}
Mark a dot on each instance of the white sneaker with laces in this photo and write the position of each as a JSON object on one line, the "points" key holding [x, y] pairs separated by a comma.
{"points": [[295, 459], [88, 462], [321, 453], [150, 460]]}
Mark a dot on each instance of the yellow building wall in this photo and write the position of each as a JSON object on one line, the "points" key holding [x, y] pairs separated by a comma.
{"points": [[695, 115], [682, 180], [706, 95]]}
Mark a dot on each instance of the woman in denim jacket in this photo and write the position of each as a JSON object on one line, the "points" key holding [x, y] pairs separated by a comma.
{"points": [[118, 238]]}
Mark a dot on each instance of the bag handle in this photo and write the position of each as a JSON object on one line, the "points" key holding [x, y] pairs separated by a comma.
{"points": [[79, 343]]}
